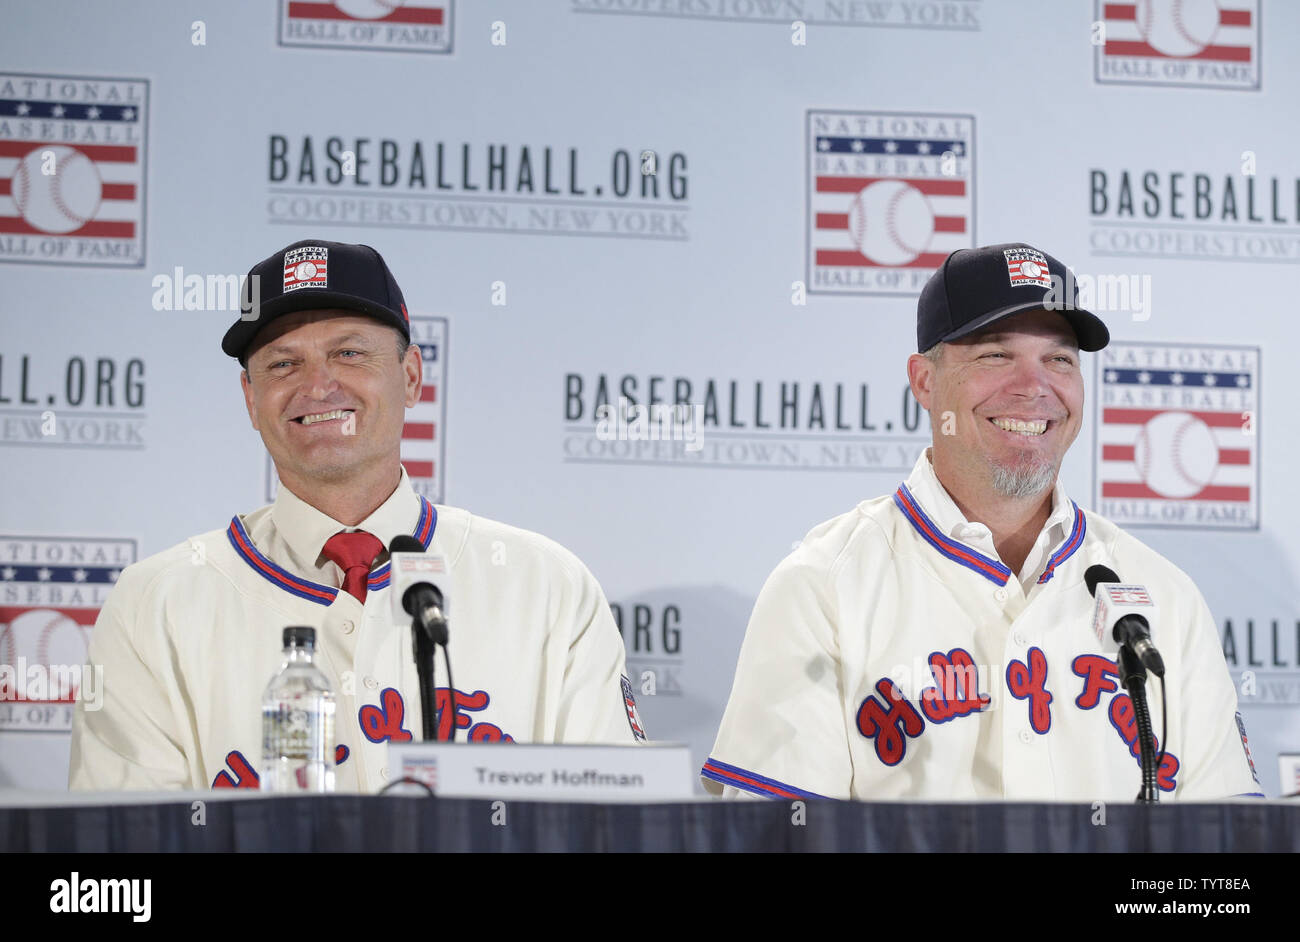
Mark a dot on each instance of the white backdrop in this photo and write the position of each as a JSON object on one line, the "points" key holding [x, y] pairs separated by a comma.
{"points": [[498, 152]]}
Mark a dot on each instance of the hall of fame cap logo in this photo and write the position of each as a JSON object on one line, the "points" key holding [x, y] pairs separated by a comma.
{"points": [[386, 25], [889, 197], [72, 169], [1193, 43], [51, 590], [1027, 267], [1178, 435], [424, 443], [306, 267]]}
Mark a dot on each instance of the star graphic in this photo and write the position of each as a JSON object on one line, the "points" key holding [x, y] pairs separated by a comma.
{"points": [[1176, 378], [23, 107], [57, 111], [857, 146], [891, 146], [1209, 379], [958, 149], [92, 112], [923, 147], [128, 114], [43, 574], [1144, 377], [113, 574], [79, 575], [9, 572], [823, 144], [1112, 376], [1243, 380]]}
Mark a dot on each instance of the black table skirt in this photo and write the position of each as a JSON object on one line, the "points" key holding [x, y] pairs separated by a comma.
{"points": [[367, 823]]}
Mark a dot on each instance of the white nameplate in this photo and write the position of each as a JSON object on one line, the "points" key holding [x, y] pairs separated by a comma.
{"points": [[539, 772]]}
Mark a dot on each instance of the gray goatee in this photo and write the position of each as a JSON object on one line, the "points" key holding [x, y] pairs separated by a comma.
{"points": [[1024, 480]]}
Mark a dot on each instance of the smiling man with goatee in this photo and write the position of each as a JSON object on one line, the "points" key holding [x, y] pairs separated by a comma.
{"points": [[189, 637], [938, 642]]}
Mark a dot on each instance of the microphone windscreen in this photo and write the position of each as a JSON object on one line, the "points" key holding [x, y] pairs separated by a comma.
{"points": [[1097, 574], [405, 543]]}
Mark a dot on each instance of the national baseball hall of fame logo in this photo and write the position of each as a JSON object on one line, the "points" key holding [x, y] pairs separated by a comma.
{"points": [[386, 25], [1178, 435], [889, 196], [424, 445], [1189, 43], [72, 169], [51, 590]]}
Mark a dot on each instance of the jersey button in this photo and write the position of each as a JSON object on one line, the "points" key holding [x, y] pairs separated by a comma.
{"points": [[1000, 595], [1026, 736], [1019, 638], [348, 627], [383, 773], [371, 682]]}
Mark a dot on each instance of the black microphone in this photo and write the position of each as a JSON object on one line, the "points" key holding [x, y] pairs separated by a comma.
{"points": [[413, 577], [1122, 606], [413, 590]]}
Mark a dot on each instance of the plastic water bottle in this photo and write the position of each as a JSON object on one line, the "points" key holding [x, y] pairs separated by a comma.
{"points": [[298, 721]]}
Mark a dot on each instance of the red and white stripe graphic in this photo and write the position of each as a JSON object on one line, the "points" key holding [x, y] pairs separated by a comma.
{"points": [[422, 445], [1176, 455], [310, 273], [94, 190], [388, 11], [926, 219], [1224, 31]]}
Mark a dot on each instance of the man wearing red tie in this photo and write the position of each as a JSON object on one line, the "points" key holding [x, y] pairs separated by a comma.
{"points": [[189, 637]]}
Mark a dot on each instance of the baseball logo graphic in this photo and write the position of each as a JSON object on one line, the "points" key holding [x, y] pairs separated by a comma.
{"points": [[367, 9], [425, 25], [891, 222], [60, 202], [1129, 597], [305, 271], [48, 638], [1177, 28], [1176, 454], [1031, 269]]}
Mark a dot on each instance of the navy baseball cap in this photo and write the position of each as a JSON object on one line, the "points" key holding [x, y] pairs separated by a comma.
{"points": [[313, 275], [975, 287]]}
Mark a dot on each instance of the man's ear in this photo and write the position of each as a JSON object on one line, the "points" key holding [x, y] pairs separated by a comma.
{"points": [[413, 367], [920, 374], [247, 385]]}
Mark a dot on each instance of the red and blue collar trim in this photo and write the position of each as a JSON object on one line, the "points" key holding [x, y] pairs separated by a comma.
{"points": [[990, 569], [1069, 547], [751, 781], [314, 591]]}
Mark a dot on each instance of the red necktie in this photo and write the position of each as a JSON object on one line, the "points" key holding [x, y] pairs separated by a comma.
{"points": [[353, 553]]}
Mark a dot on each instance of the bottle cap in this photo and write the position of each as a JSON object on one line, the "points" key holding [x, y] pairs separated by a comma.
{"points": [[300, 636]]}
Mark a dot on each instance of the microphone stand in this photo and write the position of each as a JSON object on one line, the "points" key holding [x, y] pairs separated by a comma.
{"points": [[427, 632], [424, 651], [1133, 675], [424, 603]]}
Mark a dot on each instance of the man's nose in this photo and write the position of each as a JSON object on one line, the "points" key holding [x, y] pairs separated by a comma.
{"points": [[1029, 378], [319, 379]]}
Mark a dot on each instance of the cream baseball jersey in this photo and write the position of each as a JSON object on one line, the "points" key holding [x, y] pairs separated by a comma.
{"points": [[886, 659], [189, 638]]}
